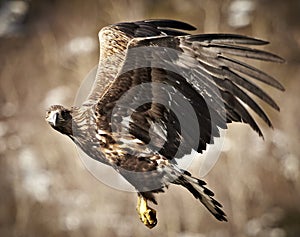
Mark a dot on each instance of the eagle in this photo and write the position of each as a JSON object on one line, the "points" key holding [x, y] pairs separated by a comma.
{"points": [[160, 94]]}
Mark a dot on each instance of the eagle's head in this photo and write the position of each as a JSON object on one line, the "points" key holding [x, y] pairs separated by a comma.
{"points": [[60, 119]]}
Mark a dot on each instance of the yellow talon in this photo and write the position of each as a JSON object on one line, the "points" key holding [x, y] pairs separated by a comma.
{"points": [[147, 214]]}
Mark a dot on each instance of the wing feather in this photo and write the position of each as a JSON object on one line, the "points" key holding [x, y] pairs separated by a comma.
{"points": [[246, 52], [235, 90], [231, 39], [234, 105], [226, 73], [250, 71]]}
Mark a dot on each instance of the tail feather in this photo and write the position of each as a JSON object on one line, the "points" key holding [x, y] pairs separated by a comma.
{"points": [[205, 195]]}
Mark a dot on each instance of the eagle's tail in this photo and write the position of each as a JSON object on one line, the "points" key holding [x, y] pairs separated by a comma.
{"points": [[198, 189]]}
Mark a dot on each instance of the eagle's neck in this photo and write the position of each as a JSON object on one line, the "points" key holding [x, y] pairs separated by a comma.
{"points": [[67, 129]]}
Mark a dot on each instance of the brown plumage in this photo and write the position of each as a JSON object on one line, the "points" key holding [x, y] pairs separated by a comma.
{"points": [[132, 118]]}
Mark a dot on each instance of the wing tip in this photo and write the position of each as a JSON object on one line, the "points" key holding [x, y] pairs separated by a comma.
{"points": [[227, 37], [280, 59], [280, 87]]}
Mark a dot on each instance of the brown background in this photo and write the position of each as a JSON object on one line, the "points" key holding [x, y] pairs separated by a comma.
{"points": [[45, 189]]}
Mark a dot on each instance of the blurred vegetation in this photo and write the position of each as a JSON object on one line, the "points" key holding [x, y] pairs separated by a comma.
{"points": [[45, 189]]}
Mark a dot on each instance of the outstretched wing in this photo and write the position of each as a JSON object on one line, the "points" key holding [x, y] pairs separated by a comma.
{"points": [[143, 105], [114, 40]]}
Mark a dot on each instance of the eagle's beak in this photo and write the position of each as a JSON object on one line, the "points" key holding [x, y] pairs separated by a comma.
{"points": [[52, 117]]}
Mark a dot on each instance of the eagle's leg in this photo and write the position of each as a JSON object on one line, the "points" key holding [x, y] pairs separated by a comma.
{"points": [[147, 214]]}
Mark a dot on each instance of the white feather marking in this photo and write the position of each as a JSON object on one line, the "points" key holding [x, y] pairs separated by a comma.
{"points": [[101, 132], [159, 129], [125, 121]]}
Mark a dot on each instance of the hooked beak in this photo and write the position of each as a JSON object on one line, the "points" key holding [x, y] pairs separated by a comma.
{"points": [[52, 117]]}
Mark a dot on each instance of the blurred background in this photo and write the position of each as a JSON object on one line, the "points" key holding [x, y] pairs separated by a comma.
{"points": [[47, 48]]}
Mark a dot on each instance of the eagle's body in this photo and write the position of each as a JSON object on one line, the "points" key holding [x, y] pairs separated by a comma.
{"points": [[160, 93]]}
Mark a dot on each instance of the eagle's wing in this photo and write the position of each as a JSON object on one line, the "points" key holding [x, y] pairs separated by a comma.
{"points": [[114, 40], [201, 69]]}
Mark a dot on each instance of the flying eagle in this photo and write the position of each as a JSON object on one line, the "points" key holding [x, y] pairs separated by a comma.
{"points": [[159, 94]]}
